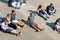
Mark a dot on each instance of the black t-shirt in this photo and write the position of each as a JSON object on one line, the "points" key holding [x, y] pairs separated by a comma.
{"points": [[50, 8]]}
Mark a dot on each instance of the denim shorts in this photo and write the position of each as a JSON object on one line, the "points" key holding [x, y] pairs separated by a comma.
{"points": [[8, 30]]}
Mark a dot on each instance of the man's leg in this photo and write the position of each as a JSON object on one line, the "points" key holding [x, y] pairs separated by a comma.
{"points": [[36, 25], [17, 5], [53, 11], [14, 4], [44, 16], [15, 32]]}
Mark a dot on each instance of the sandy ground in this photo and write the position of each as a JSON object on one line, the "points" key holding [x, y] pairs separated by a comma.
{"points": [[27, 32]]}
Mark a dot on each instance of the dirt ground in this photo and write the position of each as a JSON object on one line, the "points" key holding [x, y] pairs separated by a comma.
{"points": [[27, 32]]}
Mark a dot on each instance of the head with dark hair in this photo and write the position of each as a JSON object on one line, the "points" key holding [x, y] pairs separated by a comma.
{"points": [[13, 11], [51, 3], [8, 15], [31, 14], [39, 6]]}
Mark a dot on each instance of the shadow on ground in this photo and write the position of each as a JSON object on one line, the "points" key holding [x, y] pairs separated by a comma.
{"points": [[51, 25], [28, 24], [34, 12], [2, 19], [4, 1]]}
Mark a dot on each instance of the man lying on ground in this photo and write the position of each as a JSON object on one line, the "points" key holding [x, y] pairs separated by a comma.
{"points": [[7, 29], [32, 23]]}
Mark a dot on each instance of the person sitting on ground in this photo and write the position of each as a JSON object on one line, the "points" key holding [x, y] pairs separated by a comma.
{"points": [[32, 23], [8, 17], [12, 22], [9, 3], [13, 15], [42, 12], [7, 29], [57, 25], [18, 23], [50, 9], [13, 19], [16, 4]]}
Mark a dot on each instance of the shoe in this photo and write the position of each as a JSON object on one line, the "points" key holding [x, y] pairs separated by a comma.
{"points": [[36, 31], [45, 19]]}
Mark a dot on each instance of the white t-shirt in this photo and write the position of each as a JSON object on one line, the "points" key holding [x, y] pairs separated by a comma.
{"points": [[14, 21], [57, 26], [3, 26]]}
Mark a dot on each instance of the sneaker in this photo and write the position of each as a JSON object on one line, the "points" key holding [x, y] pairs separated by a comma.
{"points": [[36, 31]]}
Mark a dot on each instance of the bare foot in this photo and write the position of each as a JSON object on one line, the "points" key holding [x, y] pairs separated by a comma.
{"points": [[18, 33], [41, 29]]}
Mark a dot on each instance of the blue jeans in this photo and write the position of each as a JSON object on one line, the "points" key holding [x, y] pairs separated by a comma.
{"points": [[45, 15]]}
